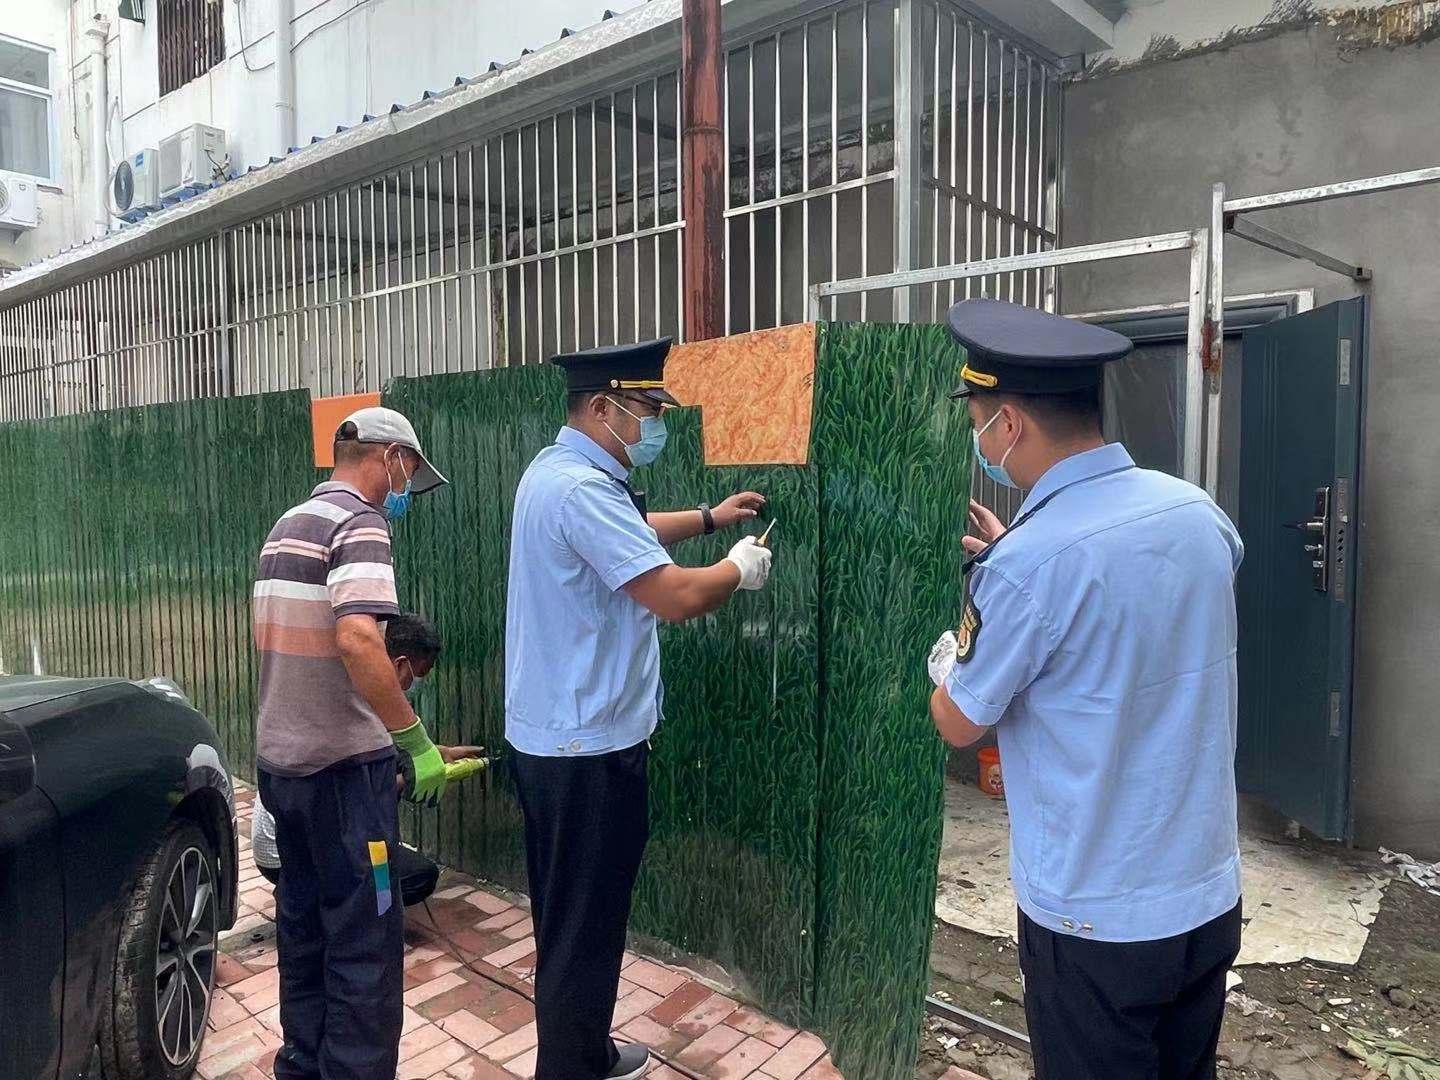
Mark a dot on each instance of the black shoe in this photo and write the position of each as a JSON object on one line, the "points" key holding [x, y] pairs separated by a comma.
{"points": [[634, 1060]]}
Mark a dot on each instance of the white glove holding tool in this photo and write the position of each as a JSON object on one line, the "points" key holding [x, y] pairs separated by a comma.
{"points": [[942, 657], [753, 561]]}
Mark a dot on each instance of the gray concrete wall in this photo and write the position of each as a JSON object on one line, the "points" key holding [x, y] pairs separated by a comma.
{"points": [[1142, 149]]}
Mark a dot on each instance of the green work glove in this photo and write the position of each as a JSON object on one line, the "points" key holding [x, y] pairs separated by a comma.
{"points": [[421, 764]]}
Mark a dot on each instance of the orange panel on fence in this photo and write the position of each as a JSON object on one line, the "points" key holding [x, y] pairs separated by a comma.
{"points": [[756, 392], [326, 415]]}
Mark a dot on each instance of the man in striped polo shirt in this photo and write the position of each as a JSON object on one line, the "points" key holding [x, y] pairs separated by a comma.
{"points": [[332, 716]]}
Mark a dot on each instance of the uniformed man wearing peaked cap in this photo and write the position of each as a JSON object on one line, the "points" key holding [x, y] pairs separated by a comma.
{"points": [[1097, 636], [589, 576]]}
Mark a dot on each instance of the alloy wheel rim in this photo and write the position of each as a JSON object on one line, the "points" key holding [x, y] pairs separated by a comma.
{"points": [[185, 957]]}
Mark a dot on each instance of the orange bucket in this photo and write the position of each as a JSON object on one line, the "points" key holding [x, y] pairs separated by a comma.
{"points": [[990, 780]]}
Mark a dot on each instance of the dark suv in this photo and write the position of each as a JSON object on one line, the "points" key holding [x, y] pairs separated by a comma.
{"points": [[117, 875]]}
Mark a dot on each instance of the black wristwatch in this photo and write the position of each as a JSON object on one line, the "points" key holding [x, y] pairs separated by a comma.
{"points": [[708, 518]]}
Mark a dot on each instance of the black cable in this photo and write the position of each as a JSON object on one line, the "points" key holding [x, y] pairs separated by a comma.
{"points": [[528, 996], [328, 22]]}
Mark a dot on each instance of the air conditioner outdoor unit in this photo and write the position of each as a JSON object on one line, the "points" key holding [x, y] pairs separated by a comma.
{"points": [[136, 184], [19, 203], [191, 159]]}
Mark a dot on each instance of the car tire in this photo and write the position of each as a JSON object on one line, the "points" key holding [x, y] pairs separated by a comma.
{"points": [[153, 1025]]}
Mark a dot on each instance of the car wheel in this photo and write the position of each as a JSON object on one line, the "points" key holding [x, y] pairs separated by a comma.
{"points": [[165, 965]]}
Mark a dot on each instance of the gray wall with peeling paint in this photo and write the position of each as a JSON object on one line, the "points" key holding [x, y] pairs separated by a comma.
{"points": [[1142, 149]]}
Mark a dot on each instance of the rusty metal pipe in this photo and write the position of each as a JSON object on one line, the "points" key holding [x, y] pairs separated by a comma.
{"points": [[704, 165]]}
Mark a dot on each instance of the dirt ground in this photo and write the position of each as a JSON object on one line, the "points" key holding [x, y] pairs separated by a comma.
{"points": [[1286, 1022]]}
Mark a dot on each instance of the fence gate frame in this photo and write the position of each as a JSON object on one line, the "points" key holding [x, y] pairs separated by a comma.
{"points": [[1195, 461]]}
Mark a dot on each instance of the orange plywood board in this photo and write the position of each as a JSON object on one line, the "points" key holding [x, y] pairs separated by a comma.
{"points": [[326, 415], [756, 393]]}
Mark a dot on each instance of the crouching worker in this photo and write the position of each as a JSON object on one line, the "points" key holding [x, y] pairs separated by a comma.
{"points": [[413, 646]]}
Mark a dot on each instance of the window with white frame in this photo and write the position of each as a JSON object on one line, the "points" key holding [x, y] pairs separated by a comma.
{"points": [[27, 96]]}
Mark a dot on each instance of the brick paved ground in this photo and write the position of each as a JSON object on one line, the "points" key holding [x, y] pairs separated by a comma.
{"points": [[460, 1026]]}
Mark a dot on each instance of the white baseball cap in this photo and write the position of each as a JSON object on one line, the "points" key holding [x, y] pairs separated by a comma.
{"points": [[388, 427]]}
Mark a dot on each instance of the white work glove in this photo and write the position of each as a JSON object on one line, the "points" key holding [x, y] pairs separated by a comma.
{"points": [[942, 657], [753, 562]]}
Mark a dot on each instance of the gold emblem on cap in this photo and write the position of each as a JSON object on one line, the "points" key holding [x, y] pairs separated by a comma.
{"points": [[637, 384], [979, 378]]}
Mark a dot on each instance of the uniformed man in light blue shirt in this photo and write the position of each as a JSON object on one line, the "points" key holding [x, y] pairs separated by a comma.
{"points": [[589, 576], [1097, 636]]}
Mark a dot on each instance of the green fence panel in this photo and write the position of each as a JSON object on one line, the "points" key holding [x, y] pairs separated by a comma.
{"points": [[452, 555], [894, 460], [730, 871], [132, 539], [796, 779]]}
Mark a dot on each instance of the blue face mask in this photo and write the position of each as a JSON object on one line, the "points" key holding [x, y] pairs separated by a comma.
{"points": [[397, 503], [652, 437], [995, 472]]}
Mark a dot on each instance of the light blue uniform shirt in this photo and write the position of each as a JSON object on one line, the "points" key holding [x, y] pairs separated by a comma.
{"points": [[1106, 653], [582, 660]]}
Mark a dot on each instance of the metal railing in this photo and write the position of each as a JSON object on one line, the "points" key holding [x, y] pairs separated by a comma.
{"points": [[565, 232], [1195, 242]]}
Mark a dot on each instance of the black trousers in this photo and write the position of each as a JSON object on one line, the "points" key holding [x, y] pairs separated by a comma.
{"points": [[1142, 1010], [587, 820], [339, 922]]}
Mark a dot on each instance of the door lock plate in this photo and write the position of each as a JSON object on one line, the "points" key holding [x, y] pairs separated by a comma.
{"points": [[1317, 529]]}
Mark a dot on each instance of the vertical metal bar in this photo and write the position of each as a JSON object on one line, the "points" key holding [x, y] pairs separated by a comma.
{"points": [[805, 168], [408, 347], [865, 153], [1052, 213], [729, 273], [1014, 156], [299, 294], [779, 190], [505, 256], [489, 295], [1195, 358], [523, 243], [202, 318], [376, 253], [834, 153], [655, 195], [429, 276], [594, 228], [555, 218], [1216, 359], [455, 266], [437, 273], [388, 371], [969, 147], [539, 248], [985, 157], [750, 162], [1023, 213], [954, 154], [635, 206], [614, 227], [474, 321], [262, 306], [680, 297], [325, 347], [1000, 153], [909, 96], [1040, 183], [209, 343], [574, 214], [935, 174]]}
